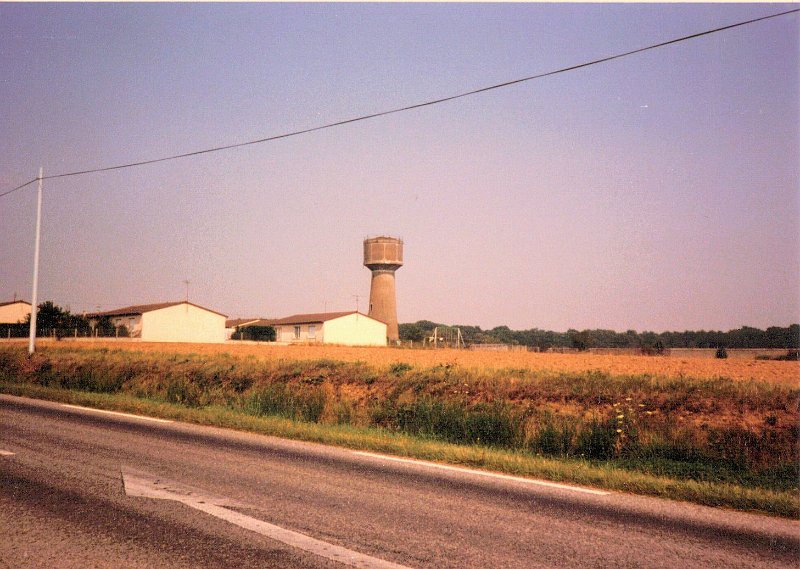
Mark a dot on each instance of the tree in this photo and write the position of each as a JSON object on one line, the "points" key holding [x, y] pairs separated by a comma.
{"points": [[52, 318], [104, 327], [255, 333], [49, 316], [581, 341], [412, 332]]}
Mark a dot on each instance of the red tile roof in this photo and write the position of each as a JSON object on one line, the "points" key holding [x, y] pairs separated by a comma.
{"points": [[312, 318], [142, 308], [241, 322], [14, 302]]}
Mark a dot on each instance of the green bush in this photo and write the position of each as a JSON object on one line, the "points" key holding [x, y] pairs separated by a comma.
{"points": [[281, 400], [255, 333], [399, 368], [494, 425], [183, 392], [597, 441]]}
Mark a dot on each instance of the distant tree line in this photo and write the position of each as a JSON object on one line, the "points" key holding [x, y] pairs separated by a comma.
{"points": [[744, 337]]}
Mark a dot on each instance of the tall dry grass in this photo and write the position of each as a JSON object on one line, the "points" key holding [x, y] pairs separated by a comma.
{"points": [[706, 430]]}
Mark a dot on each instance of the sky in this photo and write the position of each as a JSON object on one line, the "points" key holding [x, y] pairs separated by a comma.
{"points": [[654, 192]]}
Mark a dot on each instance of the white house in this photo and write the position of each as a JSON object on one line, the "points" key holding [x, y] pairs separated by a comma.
{"points": [[167, 322], [347, 328], [14, 312]]}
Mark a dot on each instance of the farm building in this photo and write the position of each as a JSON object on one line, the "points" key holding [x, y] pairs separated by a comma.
{"points": [[167, 322], [14, 312], [347, 328]]}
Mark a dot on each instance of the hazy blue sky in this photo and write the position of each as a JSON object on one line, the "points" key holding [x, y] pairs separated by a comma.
{"points": [[658, 192]]}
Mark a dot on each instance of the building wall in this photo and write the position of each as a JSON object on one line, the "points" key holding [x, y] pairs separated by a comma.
{"points": [[354, 330], [13, 313], [182, 323], [287, 333], [132, 323]]}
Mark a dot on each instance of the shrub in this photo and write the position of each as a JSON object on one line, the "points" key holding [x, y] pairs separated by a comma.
{"points": [[281, 400], [597, 441], [722, 353], [255, 333], [399, 368], [488, 424], [183, 392]]}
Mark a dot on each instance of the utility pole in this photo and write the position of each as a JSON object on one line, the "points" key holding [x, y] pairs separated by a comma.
{"points": [[34, 294]]}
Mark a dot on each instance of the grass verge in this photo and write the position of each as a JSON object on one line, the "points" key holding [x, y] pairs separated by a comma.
{"points": [[573, 471]]}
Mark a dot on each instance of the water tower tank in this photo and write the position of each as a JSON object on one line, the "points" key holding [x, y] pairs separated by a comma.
{"points": [[383, 256]]}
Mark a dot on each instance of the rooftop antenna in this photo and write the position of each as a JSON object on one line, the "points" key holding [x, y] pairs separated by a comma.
{"points": [[186, 282], [356, 296]]}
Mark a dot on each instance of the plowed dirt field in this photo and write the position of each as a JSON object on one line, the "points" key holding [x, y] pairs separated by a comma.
{"points": [[784, 372]]}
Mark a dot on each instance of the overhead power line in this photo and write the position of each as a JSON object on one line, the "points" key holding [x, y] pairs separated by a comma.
{"points": [[28, 183], [409, 107]]}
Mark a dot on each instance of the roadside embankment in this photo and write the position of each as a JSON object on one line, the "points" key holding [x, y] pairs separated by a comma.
{"points": [[716, 441]]}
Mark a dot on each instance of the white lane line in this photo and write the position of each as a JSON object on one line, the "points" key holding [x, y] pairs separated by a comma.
{"points": [[484, 473], [6, 453], [149, 487], [117, 413]]}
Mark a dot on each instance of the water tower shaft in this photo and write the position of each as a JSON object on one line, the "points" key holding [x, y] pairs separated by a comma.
{"points": [[383, 256]]}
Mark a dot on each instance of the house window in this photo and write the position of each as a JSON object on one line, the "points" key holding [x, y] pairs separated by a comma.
{"points": [[297, 332], [312, 331]]}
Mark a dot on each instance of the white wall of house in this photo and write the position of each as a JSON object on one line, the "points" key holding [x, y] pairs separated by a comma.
{"points": [[355, 330], [133, 323], [304, 333], [349, 330], [182, 323], [14, 312]]}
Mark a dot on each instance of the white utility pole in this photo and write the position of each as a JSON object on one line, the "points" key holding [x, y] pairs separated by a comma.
{"points": [[34, 294]]}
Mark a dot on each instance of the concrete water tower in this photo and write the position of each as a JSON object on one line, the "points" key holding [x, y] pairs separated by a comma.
{"points": [[383, 256]]}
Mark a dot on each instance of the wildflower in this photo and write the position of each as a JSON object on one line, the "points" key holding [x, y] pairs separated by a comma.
{"points": [[619, 430], [628, 398], [620, 416]]}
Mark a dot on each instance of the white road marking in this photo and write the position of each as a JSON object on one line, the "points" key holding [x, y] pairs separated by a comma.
{"points": [[117, 413], [6, 453], [149, 487], [484, 473]]}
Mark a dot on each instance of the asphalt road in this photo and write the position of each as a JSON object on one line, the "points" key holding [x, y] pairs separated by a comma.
{"points": [[71, 496]]}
